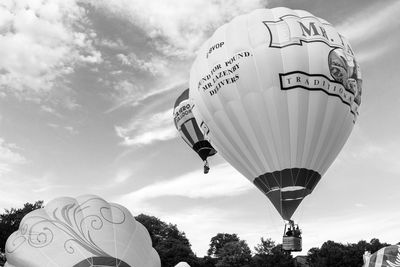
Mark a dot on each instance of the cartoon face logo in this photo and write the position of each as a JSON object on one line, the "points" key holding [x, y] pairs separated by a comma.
{"points": [[345, 70], [338, 66]]}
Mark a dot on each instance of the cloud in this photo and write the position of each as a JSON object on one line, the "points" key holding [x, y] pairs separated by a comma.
{"points": [[371, 23], [154, 65], [144, 131], [223, 181], [372, 53], [9, 157], [129, 94], [39, 44], [380, 154], [177, 27], [69, 129], [122, 175]]}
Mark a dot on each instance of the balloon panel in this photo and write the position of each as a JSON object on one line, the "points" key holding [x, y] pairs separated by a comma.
{"points": [[279, 91]]}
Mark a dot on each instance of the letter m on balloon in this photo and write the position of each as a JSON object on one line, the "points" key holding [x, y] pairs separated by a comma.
{"points": [[294, 30]]}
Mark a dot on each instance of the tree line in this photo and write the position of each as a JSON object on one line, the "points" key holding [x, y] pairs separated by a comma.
{"points": [[225, 249]]}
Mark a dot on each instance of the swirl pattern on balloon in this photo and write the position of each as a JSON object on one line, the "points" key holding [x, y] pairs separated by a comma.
{"points": [[76, 220]]}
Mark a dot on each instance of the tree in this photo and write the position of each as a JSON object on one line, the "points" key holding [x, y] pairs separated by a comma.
{"points": [[234, 254], [171, 244], [206, 261], [375, 245], [337, 254], [269, 254], [218, 242], [314, 258], [265, 247], [9, 221]]}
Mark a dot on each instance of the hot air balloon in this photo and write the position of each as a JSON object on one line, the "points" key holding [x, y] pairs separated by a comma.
{"points": [[80, 232], [385, 257], [182, 264], [279, 91], [189, 130]]}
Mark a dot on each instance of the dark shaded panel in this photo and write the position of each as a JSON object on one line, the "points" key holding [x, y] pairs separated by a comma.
{"points": [[309, 175], [275, 198], [272, 179], [286, 178], [289, 207], [286, 202], [262, 184], [295, 174], [289, 177], [314, 179], [204, 149], [102, 261]]}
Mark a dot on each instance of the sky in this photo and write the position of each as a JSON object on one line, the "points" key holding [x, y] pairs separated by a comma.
{"points": [[87, 89]]}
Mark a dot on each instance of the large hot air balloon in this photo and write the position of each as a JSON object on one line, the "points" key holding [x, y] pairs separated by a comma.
{"points": [[189, 130], [385, 257], [80, 232], [279, 91]]}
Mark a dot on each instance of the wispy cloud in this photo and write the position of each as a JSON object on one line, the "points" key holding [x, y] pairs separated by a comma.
{"points": [[372, 22], [122, 175], [222, 181], [9, 157], [144, 131], [130, 94], [176, 27], [382, 154], [69, 129], [371, 53], [154, 65]]}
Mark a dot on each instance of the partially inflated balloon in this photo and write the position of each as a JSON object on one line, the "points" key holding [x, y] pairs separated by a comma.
{"points": [[188, 127], [279, 91], [385, 257], [80, 232], [182, 264]]}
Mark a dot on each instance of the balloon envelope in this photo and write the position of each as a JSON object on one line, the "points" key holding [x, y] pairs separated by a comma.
{"points": [[182, 264], [188, 127], [385, 257], [80, 232], [279, 91]]}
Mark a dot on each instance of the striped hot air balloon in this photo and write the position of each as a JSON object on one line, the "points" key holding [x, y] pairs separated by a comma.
{"points": [[189, 130], [279, 91], [385, 257]]}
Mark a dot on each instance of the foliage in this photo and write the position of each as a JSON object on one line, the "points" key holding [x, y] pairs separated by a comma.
{"points": [[171, 244], [226, 250], [234, 254], [218, 242], [337, 254], [269, 254], [9, 221], [206, 261], [265, 247]]}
